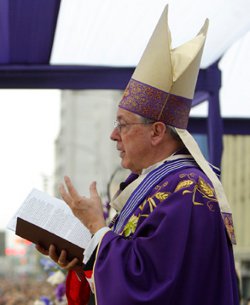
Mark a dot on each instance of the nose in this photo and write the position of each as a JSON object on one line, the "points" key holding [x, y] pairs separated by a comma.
{"points": [[115, 135]]}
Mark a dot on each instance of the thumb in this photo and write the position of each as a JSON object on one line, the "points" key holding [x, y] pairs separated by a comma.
{"points": [[92, 190]]}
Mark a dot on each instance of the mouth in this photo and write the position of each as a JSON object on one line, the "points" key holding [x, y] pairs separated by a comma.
{"points": [[122, 153]]}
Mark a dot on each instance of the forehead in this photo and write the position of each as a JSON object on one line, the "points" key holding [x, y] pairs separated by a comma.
{"points": [[123, 114]]}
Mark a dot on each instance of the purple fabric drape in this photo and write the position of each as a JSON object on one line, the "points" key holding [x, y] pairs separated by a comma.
{"points": [[4, 31], [27, 30]]}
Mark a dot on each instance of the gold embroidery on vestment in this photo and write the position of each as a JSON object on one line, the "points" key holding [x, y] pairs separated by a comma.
{"points": [[157, 187], [228, 221], [190, 176], [162, 196], [205, 188], [183, 184], [152, 204], [130, 226], [142, 206], [201, 187], [210, 205]]}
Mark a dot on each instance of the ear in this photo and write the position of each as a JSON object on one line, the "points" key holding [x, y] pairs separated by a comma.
{"points": [[158, 133]]}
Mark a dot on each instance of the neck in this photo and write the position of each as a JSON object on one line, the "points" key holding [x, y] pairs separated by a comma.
{"points": [[159, 155]]}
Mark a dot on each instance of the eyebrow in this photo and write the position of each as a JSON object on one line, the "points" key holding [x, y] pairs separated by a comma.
{"points": [[120, 117]]}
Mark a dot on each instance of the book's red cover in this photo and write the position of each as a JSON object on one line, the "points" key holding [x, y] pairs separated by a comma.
{"points": [[44, 238]]}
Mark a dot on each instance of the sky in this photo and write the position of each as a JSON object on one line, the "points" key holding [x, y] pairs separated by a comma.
{"points": [[29, 124]]}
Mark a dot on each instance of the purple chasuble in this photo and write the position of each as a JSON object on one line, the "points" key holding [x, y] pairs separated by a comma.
{"points": [[173, 249]]}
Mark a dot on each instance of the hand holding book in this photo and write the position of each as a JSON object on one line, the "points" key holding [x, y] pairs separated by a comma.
{"points": [[61, 259], [46, 220]]}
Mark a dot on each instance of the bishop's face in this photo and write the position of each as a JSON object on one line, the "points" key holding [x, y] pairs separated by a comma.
{"points": [[133, 140]]}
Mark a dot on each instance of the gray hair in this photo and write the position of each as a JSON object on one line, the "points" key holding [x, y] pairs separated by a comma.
{"points": [[173, 133], [171, 129], [146, 120]]}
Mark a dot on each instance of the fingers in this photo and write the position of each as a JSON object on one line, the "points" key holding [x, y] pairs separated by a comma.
{"points": [[42, 250], [72, 191], [93, 190], [65, 196], [61, 260], [52, 253], [72, 264], [70, 195]]}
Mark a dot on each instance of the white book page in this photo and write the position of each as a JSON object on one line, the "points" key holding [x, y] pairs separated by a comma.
{"points": [[53, 215]]}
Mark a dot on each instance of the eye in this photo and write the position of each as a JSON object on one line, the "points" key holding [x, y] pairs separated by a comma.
{"points": [[119, 125]]}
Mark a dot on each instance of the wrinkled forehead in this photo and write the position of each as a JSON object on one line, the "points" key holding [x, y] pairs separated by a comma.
{"points": [[125, 115]]}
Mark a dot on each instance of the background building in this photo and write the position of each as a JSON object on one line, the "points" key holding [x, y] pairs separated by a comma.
{"points": [[83, 148], [236, 178]]}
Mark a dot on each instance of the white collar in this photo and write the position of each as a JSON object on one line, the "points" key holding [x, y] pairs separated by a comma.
{"points": [[174, 156]]}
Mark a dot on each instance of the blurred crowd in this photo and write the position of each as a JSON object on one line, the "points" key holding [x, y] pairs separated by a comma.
{"points": [[23, 291]]}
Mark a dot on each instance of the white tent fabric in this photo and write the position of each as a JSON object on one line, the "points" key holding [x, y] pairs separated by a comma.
{"points": [[115, 33], [235, 93]]}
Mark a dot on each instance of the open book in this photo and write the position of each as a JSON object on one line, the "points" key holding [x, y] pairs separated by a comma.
{"points": [[46, 220]]}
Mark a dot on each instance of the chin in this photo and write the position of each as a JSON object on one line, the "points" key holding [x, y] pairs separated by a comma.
{"points": [[126, 165]]}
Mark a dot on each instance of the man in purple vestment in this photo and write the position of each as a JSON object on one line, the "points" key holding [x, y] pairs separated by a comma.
{"points": [[171, 240]]}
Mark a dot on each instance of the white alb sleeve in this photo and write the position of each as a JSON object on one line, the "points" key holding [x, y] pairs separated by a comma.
{"points": [[97, 237]]}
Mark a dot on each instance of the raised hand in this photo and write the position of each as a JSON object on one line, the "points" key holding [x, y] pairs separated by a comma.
{"points": [[87, 210]]}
